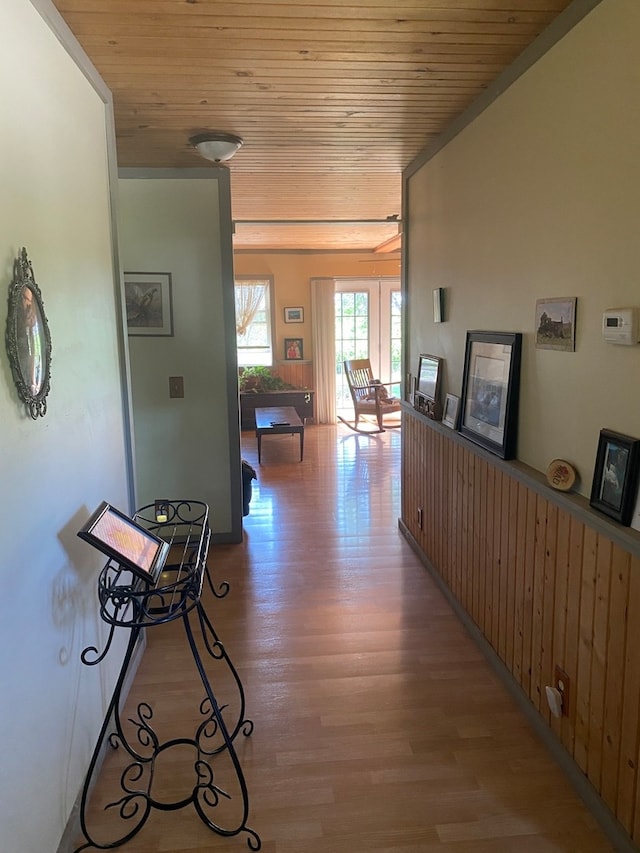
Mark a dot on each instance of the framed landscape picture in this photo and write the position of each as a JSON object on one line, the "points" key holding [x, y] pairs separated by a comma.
{"points": [[556, 323], [294, 315]]}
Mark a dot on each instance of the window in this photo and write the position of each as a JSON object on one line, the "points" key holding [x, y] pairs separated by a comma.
{"points": [[352, 336], [253, 321], [395, 342]]}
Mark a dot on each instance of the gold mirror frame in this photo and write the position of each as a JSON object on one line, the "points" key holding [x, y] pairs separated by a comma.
{"points": [[28, 338]]}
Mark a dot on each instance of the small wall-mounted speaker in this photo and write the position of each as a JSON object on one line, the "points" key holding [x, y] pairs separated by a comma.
{"points": [[438, 305]]}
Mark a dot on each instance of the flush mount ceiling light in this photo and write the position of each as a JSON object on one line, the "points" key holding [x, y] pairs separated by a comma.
{"points": [[216, 146]]}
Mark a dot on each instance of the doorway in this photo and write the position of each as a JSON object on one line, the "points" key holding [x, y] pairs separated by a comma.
{"points": [[368, 325]]}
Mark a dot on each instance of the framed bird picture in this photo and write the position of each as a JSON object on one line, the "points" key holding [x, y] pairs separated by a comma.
{"points": [[148, 301]]}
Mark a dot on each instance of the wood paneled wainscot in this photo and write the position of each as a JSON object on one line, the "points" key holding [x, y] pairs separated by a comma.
{"points": [[548, 582]]}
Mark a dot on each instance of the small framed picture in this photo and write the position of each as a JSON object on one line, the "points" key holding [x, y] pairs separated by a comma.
{"points": [[293, 349], [294, 315], [556, 323], [148, 300], [615, 478], [451, 409]]}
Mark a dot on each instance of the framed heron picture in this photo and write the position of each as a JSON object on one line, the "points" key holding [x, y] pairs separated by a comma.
{"points": [[148, 302]]}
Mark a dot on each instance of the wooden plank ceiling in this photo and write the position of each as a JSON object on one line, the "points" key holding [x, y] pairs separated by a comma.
{"points": [[333, 98]]}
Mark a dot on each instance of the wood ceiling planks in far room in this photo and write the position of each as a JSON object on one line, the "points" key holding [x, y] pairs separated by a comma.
{"points": [[332, 99]]}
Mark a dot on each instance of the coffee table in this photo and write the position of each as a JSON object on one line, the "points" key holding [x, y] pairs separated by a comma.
{"points": [[278, 420]]}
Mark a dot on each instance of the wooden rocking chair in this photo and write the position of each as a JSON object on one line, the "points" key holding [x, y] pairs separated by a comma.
{"points": [[369, 396]]}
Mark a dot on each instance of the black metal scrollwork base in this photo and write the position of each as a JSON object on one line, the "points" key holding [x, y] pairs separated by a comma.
{"points": [[203, 765]]}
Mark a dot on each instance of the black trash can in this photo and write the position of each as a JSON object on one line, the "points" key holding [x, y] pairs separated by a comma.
{"points": [[248, 474]]}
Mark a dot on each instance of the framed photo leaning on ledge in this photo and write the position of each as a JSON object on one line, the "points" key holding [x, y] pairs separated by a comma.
{"points": [[293, 349], [490, 391], [615, 478], [451, 410]]}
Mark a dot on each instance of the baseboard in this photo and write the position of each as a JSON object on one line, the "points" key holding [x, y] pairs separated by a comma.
{"points": [[612, 828]]}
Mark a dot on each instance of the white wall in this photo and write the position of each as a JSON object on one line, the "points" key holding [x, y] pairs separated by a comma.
{"points": [[54, 186], [540, 197], [186, 447]]}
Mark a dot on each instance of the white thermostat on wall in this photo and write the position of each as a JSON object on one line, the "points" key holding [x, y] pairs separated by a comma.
{"points": [[620, 326]]}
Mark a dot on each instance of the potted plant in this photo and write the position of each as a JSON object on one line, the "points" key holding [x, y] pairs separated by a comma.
{"points": [[260, 387], [260, 380]]}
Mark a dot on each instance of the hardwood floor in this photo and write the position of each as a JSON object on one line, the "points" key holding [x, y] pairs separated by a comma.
{"points": [[379, 726]]}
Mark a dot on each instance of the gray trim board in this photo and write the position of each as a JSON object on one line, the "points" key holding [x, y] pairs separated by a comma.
{"points": [[231, 360], [151, 173]]}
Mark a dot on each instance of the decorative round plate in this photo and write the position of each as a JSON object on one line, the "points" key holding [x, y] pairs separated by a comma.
{"points": [[561, 475]]}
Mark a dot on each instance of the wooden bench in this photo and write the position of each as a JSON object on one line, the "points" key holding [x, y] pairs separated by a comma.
{"points": [[278, 420]]}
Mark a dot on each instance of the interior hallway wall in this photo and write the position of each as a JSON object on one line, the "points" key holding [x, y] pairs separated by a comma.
{"points": [[540, 197], [56, 131], [179, 222]]}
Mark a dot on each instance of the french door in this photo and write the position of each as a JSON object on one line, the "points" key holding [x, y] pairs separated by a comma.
{"points": [[368, 325]]}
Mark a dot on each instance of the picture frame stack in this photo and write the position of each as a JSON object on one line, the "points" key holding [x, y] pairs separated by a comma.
{"points": [[487, 410], [426, 395]]}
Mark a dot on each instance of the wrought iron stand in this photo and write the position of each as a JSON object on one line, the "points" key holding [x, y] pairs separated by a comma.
{"points": [[126, 601]]}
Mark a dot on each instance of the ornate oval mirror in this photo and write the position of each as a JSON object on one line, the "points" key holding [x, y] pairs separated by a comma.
{"points": [[28, 338]]}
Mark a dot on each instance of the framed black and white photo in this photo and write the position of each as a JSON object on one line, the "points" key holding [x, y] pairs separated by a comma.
{"points": [[615, 477], [148, 301], [294, 315], [490, 391]]}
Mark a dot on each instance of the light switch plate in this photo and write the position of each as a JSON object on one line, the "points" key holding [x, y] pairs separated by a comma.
{"points": [[176, 386]]}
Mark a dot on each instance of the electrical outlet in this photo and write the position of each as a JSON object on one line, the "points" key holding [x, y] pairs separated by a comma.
{"points": [[562, 685]]}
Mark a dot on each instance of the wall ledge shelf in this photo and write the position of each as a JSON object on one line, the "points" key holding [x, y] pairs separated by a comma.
{"points": [[576, 504]]}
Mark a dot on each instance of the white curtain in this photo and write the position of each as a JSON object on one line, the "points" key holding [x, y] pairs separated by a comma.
{"points": [[248, 299], [324, 348]]}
